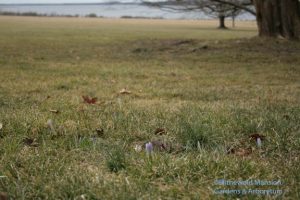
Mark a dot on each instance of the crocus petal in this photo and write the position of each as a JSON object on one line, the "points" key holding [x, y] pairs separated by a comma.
{"points": [[258, 142], [138, 148], [149, 147], [50, 125]]}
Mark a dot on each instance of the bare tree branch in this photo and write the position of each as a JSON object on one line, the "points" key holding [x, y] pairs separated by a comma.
{"points": [[243, 6], [209, 7]]}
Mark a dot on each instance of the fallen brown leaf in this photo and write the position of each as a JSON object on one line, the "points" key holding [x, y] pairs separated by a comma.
{"points": [[30, 142], [1, 126], [160, 131], [100, 132], [243, 152], [46, 98], [3, 196], [239, 151], [89, 100]]}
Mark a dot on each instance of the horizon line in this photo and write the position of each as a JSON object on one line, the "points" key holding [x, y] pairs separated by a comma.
{"points": [[91, 3]]}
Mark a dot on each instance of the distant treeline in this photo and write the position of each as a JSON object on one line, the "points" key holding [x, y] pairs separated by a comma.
{"points": [[91, 15], [35, 14], [20, 14], [140, 17]]}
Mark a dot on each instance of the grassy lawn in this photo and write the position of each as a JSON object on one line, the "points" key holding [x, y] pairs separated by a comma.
{"points": [[207, 90]]}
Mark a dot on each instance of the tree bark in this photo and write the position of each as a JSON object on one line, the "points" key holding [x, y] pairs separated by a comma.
{"points": [[278, 18], [222, 22]]}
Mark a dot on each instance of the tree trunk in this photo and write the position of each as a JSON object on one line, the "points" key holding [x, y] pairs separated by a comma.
{"points": [[278, 18], [222, 22]]}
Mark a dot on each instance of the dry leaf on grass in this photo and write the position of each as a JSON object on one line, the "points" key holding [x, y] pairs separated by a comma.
{"points": [[243, 152], [89, 100], [160, 131], [54, 111], [239, 151], [3, 196], [100, 132], [30, 142], [125, 91], [46, 98], [1, 126]]}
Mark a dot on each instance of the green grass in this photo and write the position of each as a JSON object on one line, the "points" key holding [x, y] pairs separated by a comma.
{"points": [[209, 89]]}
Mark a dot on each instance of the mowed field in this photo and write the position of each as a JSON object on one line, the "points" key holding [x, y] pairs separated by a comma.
{"points": [[197, 92]]}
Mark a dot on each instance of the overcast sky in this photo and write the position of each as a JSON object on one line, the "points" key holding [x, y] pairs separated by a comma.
{"points": [[61, 1]]}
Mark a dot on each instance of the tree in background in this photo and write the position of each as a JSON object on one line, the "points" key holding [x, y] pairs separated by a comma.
{"points": [[208, 7], [275, 18], [219, 10]]}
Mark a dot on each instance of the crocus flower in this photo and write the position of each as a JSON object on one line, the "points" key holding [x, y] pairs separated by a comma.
{"points": [[149, 147], [258, 139], [138, 148], [50, 125], [258, 142]]}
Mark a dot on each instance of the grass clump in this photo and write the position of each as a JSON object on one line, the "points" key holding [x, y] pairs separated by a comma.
{"points": [[198, 127], [194, 135], [116, 160]]}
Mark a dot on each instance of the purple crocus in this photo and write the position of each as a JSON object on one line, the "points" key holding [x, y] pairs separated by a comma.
{"points": [[149, 147]]}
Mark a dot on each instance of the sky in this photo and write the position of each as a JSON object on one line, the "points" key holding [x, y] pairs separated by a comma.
{"points": [[60, 1]]}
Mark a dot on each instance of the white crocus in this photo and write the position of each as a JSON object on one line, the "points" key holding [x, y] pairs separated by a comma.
{"points": [[258, 142], [50, 125], [138, 148]]}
